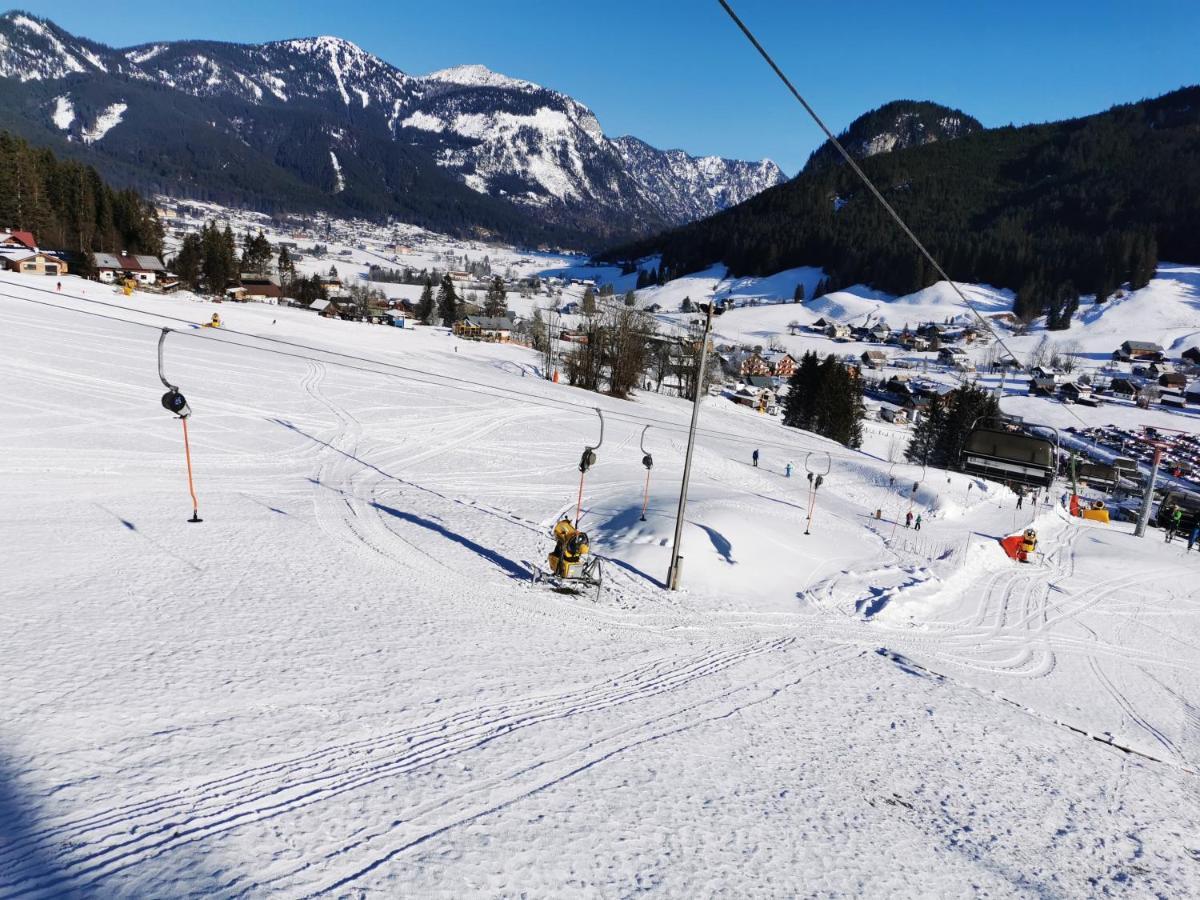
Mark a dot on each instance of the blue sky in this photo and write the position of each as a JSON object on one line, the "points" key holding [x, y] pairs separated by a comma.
{"points": [[676, 73]]}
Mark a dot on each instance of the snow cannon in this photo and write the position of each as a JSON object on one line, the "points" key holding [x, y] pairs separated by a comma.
{"points": [[1020, 546], [570, 561], [215, 322]]}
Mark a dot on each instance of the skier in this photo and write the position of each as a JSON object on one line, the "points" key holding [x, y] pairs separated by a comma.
{"points": [[1194, 537], [1020, 498], [754, 457], [787, 471], [917, 527], [1173, 523], [908, 519], [59, 287]]}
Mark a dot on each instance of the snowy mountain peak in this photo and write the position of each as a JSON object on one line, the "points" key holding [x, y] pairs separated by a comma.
{"points": [[35, 49], [475, 75]]}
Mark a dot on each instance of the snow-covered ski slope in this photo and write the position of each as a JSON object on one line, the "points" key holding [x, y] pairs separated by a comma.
{"points": [[343, 681]]}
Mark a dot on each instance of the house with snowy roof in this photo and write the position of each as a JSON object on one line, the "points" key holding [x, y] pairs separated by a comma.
{"points": [[142, 268]]}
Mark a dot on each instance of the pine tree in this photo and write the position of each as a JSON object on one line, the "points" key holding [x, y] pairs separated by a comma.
{"points": [[926, 433], [799, 407], [588, 304], [425, 307], [630, 299], [447, 302], [286, 267], [798, 294], [686, 305], [188, 261], [496, 301]]}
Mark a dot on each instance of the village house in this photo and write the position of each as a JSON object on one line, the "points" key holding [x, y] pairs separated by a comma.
{"points": [[1123, 387], [837, 331], [31, 262], [1140, 350], [951, 356], [1174, 380], [879, 332], [497, 329], [262, 288], [1192, 355], [751, 364], [782, 364], [111, 267], [1071, 392], [874, 359], [18, 240], [891, 413]]}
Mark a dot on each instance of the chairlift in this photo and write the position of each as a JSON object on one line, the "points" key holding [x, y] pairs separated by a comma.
{"points": [[1007, 451]]}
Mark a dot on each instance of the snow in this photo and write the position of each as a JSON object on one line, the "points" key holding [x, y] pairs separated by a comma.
{"points": [[137, 57], [64, 112], [423, 121], [339, 184], [363, 96], [343, 681], [477, 76], [110, 117]]}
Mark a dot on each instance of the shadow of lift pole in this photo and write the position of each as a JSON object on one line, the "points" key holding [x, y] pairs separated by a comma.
{"points": [[674, 570]]}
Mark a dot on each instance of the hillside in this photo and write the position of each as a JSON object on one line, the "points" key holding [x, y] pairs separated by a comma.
{"points": [[896, 126], [344, 681], [1058, 209], [320, 124]]}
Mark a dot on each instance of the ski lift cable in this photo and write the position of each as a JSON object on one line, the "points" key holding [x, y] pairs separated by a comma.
{"points": [[440, 380], [853, 164]]}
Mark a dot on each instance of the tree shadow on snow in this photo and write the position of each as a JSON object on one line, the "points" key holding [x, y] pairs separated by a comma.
{"points": [[41, 860], [513, 569]]}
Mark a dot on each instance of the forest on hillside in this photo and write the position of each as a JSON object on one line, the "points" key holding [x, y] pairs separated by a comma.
{"points": [[69, 207], [1052, 211]]}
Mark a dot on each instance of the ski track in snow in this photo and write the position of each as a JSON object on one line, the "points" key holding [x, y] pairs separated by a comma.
{"points": [[359, 688]]}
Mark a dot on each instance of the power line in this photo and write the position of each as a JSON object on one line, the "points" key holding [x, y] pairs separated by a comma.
{"points": [[871, 185]]}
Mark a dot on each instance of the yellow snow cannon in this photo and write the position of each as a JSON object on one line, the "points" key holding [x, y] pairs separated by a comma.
{"points": [[571, 559], [215, 322]]}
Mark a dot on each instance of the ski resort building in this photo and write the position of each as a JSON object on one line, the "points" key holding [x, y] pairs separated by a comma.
{"points": [[32, 262], [497, 329], [112, 267]]}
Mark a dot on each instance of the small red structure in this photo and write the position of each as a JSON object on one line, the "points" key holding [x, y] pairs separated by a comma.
{"points": [[1020, 546]]}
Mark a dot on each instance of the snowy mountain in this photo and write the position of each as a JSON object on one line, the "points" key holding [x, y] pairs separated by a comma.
{"points": [[897, 126], [695, 187], [322, 113]]}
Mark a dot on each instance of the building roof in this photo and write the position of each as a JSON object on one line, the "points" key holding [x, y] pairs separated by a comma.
{"points": [[490, 323], [25, 238], [1148, 346], [875, 355], [760, 381], [319, 305], [128, 263]]}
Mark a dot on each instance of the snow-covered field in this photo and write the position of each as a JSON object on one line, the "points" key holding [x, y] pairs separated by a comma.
{"points": [[344, 682]]}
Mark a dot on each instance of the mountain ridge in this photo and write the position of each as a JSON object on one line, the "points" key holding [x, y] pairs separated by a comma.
{"points": [[335, 127]]}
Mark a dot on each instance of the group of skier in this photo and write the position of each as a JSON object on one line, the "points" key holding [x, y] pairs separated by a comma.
{"points": [[1175, 527]]}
